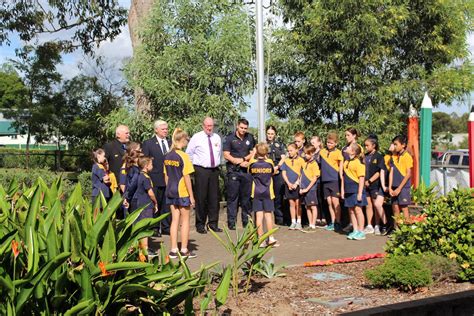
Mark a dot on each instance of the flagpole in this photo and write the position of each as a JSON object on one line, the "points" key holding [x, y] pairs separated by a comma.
{"points": [[260, 72]]}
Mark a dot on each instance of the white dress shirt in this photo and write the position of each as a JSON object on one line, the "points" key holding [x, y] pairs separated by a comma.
{"points": [[198, 149], [160, 142]]}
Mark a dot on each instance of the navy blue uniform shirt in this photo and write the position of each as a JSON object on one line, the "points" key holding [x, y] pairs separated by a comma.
{"points": [[238, 148]]}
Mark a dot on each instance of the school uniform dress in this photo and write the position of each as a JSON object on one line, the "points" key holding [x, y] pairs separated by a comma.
{"points": [[277, 149], [144, 183], [374, 163], [131, 181], [292, 167], [399, 164], [309, 172], [157, 148], [353, 170], [177, 165], [205, 152], [98, 185], [330, 160], [239, 181], [262, 185]]}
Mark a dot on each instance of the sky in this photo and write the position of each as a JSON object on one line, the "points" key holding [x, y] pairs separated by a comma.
{"points": [[120, 49]]}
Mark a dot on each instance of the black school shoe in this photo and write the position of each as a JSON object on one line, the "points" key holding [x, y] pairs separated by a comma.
{"points": [[201, 230], [173, 255], [187, 254], [231, 227], [215, 229]]}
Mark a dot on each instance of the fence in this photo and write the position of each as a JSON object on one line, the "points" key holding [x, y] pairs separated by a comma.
{"points": [[55, 160]]}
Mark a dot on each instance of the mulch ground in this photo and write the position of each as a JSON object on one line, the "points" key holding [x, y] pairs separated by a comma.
{"points": [[296, 292]]}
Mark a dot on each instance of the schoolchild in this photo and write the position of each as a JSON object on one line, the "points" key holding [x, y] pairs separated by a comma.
{"points": [[374, 177], [129, 176], [399, 182], [353, 191], [179, 193], [299, 140], [291, 172], [100, 178], [145, 198], [331, 159], [309, 178], [261, 168], [323, 214]]}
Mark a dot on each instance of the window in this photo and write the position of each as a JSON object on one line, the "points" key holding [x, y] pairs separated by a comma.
{"points": [[454, 160], [465, 160]]}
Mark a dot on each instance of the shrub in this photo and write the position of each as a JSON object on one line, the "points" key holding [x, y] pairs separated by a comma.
{"points": [[442, 268], [45, 159], [85, 179], [448, 230], [407, 273]]}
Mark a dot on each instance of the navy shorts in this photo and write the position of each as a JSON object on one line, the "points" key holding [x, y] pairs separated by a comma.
{"points": [[259, 205], [331, 189], [310, 198], [146, 213], [404, 198], [292, 194], [374, 193], [350, 200], [184, 201]]}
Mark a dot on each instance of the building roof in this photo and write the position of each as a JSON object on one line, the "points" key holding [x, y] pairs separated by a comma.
{"points": [[7, 129]]}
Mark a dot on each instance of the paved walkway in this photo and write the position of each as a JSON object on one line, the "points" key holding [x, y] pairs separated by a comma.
{"points": [[296, 247]]}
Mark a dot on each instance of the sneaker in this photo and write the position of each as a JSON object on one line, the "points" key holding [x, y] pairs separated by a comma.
{"points": [[359, 236], [368, 229], [292, 226], [274, 243], [263, 244], [298, 226], [323, 222], [330, 227], [352, 235], [348, 228], [322, 226], [383, 231], [187, 254], [173, 254], [318, 222], [152, 253], [377, 230], [337, 227]]}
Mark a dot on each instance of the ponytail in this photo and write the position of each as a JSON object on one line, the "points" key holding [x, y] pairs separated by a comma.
{"points": [[178, 136]]}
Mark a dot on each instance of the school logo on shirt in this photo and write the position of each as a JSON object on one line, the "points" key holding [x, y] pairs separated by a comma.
{"points": [[375, 161]]}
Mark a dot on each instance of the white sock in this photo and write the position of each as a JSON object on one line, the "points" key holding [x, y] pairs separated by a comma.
{"points": [[298, 220], [293, 221]]}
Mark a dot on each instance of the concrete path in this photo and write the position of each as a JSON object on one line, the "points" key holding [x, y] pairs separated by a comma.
{"points": [[296, 247]]}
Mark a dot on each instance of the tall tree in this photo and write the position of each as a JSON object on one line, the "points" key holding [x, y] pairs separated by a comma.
{"points": [[88, 22], [364, 62], [195, 59]]}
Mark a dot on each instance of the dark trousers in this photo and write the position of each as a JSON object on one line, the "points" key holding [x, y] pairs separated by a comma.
{"points": [[239, 189], [162, 208], [206, 192], [279, 190]]}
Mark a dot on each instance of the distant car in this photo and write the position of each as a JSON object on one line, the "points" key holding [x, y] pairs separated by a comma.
{"points": [[455, 158]]}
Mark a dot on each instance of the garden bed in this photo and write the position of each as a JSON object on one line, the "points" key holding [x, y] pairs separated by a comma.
{"points": [[299, 293]]}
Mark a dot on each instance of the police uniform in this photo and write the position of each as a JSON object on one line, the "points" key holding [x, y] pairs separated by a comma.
{"points": [[354, 169], [276, 150], [144, 184], [239, 181], [262, 185], [399, 165], [177, 165]]}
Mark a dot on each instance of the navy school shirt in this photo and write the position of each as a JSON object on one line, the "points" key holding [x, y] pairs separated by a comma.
{"points": [[144, 184], [262, 184], [374, 163], [238, 148], [131, 182], [98, 185], [177, 164]]}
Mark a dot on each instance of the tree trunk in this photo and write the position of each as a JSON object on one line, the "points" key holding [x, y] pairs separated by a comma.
{"points": [[137, 13]]}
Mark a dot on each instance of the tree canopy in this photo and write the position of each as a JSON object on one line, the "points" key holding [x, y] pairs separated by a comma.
{"points": [[88, 22], [195, 59], [363, 63]]}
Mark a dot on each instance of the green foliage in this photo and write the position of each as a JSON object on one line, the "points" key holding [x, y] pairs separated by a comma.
{"points": [[407, 273], [85, 180], [12, 89], [448, 230], [89, 23], [56, 258], [452, 123], [344, 63], [246, 255], [195, 59], [268, 269], [424, 195], [441, 268]]}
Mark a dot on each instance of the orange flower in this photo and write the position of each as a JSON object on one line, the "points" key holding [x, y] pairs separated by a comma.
{"points": [[102, 268], [15, 250], [141, 257], [167, 259]]}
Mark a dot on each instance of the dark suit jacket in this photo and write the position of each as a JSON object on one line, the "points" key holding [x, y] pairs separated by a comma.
{"points": [[151, 148], [114, 154]]}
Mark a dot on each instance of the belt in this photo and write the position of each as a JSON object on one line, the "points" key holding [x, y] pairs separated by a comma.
{"points": [[210, 168]]}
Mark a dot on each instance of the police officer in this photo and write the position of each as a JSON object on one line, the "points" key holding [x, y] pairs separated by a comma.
{"points": [[277, 155], [238, 149]]}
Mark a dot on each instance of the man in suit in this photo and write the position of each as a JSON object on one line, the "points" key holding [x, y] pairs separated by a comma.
{"points": [[156, 147], [114, 152]]}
